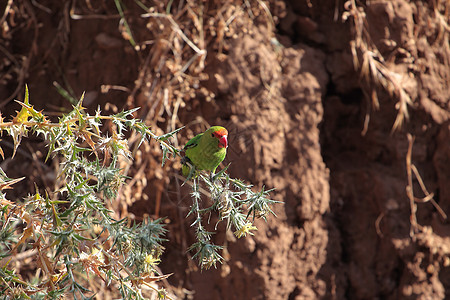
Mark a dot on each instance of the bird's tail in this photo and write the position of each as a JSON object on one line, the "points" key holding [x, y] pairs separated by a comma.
{"points": [[188, 170]]}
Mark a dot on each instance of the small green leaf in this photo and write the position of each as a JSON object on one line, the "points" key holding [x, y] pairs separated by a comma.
{"points": [[164, 137]]}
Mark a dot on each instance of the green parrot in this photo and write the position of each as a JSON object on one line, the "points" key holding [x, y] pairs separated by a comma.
{"points": [[206, 150]]}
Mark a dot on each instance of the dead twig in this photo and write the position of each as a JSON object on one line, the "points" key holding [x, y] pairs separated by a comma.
{"points": [[377, 225], [6, 13], [23, 71], [428, 196], [410, 170], [409, 189]]}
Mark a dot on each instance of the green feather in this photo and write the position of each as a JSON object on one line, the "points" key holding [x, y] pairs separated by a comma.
{"points": [[203, 151]]}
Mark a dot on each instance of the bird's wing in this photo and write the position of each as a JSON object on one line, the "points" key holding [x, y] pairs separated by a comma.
{"points": [[193, 142]]}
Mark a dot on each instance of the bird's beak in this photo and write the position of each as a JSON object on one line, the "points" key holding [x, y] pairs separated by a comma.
{"points": [[223, 141]]}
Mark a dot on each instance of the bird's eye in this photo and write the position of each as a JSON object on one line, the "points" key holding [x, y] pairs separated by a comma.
{"points": [[212, 134]]}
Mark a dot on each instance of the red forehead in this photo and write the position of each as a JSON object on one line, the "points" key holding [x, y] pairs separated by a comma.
{"points": [[221, 132]]}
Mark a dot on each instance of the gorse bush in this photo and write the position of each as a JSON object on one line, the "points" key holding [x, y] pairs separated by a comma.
{"points": [[75, 238]]}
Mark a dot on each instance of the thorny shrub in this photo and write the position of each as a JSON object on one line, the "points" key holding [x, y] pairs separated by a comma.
{"points": [[75, 237]]}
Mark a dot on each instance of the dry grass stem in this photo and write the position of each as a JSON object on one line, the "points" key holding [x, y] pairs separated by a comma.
{"points": [[409, 189], [372, 66], [410, 170]]}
